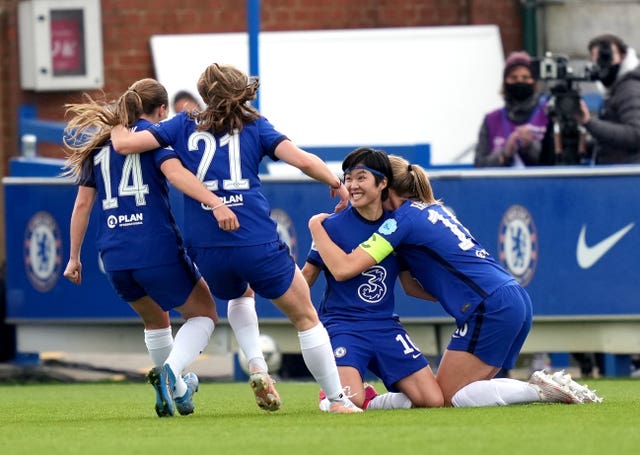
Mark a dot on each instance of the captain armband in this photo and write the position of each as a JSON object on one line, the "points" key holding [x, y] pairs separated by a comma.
{"points": [[377, 247]]}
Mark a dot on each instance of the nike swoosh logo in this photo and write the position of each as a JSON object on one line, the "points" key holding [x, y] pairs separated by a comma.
{"points": [[589, 255], [415, 356]]}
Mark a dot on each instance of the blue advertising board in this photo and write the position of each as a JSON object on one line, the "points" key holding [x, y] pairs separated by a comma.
{"points": [[567, 234]]}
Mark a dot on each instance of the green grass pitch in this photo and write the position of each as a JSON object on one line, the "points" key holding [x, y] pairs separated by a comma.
{"points": [[118, 418]]}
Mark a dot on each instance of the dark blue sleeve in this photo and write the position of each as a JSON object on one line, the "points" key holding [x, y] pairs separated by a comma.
{"points": [[270, 138]]}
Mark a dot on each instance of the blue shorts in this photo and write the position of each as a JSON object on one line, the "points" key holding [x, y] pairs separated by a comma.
{"points": [[268, 268], [168, 285], [388, 353], [497, 329]]}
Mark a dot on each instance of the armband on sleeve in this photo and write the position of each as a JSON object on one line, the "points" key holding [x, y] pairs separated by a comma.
{"points": [[377, 247]]}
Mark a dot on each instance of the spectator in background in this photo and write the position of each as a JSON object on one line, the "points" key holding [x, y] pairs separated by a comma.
{"points": [[616, 130], [513, 135], [185, 101]]}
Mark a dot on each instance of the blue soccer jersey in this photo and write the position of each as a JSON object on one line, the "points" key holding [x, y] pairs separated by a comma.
{"points": [[135, 226], [365, 301], [441, 254], [228, 164]]}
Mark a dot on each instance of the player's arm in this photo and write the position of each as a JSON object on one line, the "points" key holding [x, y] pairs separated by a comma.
{"points": [[127, 142], [310, 273], [342, 266], [412, 287], [315, 168], [79, 221], [189, 184]]}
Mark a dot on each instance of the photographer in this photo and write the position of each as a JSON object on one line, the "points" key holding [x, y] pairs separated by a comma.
{"points": [[513, 135], [616, 131]]}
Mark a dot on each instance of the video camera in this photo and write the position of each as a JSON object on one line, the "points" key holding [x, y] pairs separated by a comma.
{"points": [[564, 104]]}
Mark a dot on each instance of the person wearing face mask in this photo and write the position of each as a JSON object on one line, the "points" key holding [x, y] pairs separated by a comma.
{"points": [[514, 134], [615, 132]]}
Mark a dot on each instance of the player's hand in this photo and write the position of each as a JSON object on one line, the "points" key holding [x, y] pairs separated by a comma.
{"points": [[227, 220], [317, 220], [73, 272], [341, 192]]}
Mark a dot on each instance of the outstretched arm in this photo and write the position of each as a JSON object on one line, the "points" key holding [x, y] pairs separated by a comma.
{"points": [[315, 168], [189, 184], [79, 222], [127, 142], [341, 265]]}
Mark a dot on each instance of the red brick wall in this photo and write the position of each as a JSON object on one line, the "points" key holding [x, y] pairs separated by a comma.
{"points": [[127, 26]]}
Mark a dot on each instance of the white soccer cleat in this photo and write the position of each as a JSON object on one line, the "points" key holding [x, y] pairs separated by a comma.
{"points": [[267, 397], [586, 395], [552, 391]]}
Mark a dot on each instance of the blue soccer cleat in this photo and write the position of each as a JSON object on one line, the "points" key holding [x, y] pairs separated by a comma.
{"points": [[164, 402], [184, 404]]}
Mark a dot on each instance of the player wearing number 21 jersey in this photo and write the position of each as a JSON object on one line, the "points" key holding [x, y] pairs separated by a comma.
{"points": [[223, 146]]}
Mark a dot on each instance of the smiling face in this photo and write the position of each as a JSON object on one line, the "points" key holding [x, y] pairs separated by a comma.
{"points": [[365, 194]]}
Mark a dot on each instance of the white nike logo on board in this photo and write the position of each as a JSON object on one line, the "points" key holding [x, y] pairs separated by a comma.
{"points": [[589, 255]]}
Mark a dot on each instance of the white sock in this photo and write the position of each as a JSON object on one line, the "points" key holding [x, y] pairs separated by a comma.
{"points": [[495, 392], [318, 357], [159, 343], [190, 341], [390, 400], [242, 317]]}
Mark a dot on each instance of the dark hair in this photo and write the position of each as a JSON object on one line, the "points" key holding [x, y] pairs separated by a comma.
{"points": [[378, 160], [608, 38], [184, 95]]}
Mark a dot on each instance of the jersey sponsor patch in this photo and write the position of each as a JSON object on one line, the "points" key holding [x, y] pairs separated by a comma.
{"points": [[518, 244], [42, 251], [388, 227]]}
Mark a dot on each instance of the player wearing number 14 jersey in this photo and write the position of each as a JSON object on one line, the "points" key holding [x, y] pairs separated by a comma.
{"points": [[223, 146], [138, 241]]}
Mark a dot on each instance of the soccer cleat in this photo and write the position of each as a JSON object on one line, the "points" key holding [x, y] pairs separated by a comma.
{"points": [[164, 402], [323, 402], [369, 394], [266, 394], [343, 406], [552, 391], [184, 404], [582, 391]]}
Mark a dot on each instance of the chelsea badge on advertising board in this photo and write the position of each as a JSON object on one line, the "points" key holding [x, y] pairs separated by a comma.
{"points": [[518, 244], [42, 251]]}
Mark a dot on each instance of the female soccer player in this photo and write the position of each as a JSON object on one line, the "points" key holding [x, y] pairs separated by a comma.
{"points": [[223, 146], [359, 313], [139, 243], [493, 312]]}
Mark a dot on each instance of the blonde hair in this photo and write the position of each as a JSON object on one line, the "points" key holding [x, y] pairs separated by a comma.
{"points": [[92, 121], [227, 92], [411, 181]]}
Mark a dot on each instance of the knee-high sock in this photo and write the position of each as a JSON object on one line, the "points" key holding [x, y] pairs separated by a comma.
{"points": [[495, 392], [159, 343], [241, 313], [390, 400], [190, 341], [318, 357]]}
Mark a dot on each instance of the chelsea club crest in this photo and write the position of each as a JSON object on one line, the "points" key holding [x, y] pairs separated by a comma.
{"points": [[518, 243], [42, 251]]}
